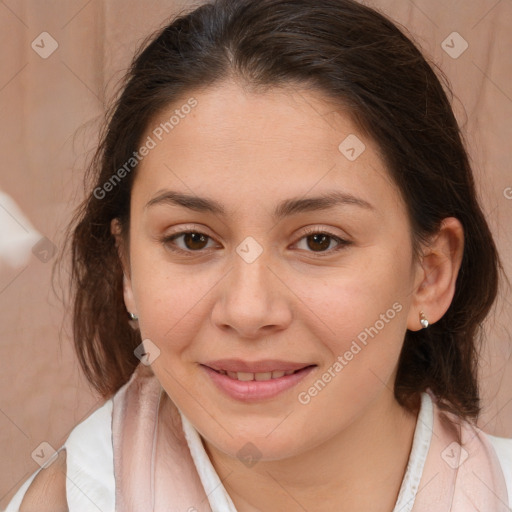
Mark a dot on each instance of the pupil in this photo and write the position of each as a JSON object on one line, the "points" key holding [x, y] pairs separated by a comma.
{"points": [[194, 238], [324, 238]]}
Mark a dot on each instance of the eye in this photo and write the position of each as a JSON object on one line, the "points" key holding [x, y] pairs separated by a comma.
{"points": [[194, 241], [319, 241]]}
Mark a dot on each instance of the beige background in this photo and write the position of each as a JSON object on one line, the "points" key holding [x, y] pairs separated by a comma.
{"points": [[49, 114]]}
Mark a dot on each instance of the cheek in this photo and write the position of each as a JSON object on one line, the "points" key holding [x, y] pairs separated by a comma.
{"points": [[356, 297], [362, 327], [359, 314], [166, 296]]}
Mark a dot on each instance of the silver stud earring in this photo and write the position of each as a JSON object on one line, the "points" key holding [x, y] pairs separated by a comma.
{"points": [[133, 316], [423, 320]]}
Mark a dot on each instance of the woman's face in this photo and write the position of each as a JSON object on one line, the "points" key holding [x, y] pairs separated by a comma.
{"points": [[274, 271]]}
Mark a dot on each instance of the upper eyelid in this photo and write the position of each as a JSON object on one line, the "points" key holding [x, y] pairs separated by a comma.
{"points": [[200, 230]]}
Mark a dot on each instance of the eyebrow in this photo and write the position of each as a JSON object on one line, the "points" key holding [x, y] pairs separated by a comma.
{"points": [[286, 208]]}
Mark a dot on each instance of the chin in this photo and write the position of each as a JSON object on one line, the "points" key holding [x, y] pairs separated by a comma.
{"points": [[257, 446]]}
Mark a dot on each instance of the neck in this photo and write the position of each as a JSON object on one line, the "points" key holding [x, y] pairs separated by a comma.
{"points": [[359, 469]]}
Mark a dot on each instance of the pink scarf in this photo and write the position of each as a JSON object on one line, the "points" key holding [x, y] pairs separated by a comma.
{"points": [[477, 484]]}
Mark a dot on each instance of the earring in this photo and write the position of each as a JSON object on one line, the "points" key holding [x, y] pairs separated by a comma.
{"points": [[423, 320], [133, 316]]}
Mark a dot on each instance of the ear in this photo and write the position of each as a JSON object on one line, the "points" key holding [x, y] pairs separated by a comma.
{"points": [[122, 251], [437, 274]]}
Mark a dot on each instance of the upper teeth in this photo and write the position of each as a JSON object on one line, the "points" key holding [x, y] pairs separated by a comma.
{"points": [[256, 376]]}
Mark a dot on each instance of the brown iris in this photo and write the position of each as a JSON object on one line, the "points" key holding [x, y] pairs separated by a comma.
{"points": [[192, 239], [320, 239]]}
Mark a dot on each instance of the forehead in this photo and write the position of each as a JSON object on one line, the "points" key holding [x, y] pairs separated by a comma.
{"points": [[283, 142]]}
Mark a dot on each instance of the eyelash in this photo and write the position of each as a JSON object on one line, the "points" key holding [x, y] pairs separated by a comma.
{"points": [[342, 243]]}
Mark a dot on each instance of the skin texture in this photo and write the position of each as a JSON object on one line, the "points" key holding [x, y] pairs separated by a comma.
{"points": [[47, 493], [347, 448]]}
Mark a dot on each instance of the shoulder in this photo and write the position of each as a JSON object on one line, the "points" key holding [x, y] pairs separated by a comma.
{"points": [[90, 461], [481, 447], [83, 472], [93, 432], [503, 448], [47, 492]]}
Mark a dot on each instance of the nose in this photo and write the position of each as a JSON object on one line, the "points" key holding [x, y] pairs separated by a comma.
{"points": [[253, 300]]}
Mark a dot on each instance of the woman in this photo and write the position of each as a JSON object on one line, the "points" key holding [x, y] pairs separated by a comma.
{"points": [[280, 273]]}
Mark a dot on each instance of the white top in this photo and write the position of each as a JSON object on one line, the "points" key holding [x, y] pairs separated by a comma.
{"points": [[90, 483]]}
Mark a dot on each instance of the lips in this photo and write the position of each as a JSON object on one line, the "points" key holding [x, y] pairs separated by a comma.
{"points": [[263, 366], [261, 376], [256, 387]]}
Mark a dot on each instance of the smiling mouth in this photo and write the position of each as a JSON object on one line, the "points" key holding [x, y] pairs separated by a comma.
{"points": [[262, 376], [250, 387]]}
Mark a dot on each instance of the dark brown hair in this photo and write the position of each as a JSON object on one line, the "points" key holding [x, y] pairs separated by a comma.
{"points": [[349, 53]]}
